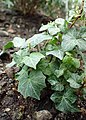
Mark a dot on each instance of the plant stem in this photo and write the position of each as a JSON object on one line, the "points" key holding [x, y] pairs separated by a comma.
{"points": [[79, 16], [67, 9]]}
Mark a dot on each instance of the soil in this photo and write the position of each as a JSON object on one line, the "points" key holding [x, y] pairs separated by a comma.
{"points": [[12, 104]]}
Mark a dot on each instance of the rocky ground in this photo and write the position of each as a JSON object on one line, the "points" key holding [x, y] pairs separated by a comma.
{"points": [[12, 104]]}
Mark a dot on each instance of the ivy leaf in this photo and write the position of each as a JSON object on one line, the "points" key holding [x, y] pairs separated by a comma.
{"points": [[53, 30], [37, 39], [19, 56], [69, 41], [33, 59], [84, 58], [64, 101], [44, 67], [57, 53], [60, 21], [48, 67], [74, 81], [19, 42], [84, 92], [8, 45], [46, 27], [23, 74], [81, 43], [72, 39], [82, 32], [51, 27], [32, 85], [9, 3], [59, 73], [71, 63], [56, 85], [85, 6]]}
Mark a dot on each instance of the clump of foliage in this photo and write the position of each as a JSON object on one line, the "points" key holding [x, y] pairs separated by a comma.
{"points": [[55, 55], [49, 7], [29, 6]]}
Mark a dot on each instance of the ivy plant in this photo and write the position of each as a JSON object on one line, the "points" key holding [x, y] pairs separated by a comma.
{"points": [[54, 56]]}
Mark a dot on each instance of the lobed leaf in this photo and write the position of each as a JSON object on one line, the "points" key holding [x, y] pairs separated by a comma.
{"points": [[19, 42], [75, 80], [64, 101], [33, 59], [8, 45], [56, 85], [57, 53], [32, 85], [72, 39], [37, 39]]}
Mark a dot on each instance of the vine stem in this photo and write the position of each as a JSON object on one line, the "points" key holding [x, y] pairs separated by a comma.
{"points": [[80, 13], [66, 7]]}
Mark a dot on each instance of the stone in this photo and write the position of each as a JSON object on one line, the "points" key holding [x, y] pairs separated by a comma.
{"points": [[42, 115], [7, 109], [3, 83], [3, 33], [2, 18]]}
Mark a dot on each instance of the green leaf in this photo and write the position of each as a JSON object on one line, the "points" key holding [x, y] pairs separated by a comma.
{"points": [[19, 56], [56, 85], [9, 3], [45, 27], [48, 67], [71, 62], [37, 39], [8, 45], [51, 27], [84, 58], [84, 92], [19, 42], [81, 43], [53, 30], [69, 41], [44, 66], [59, 73], [64, 101], [73, 38], [60, 21], [23, 74], [85, 6], [32, 85], [57, 53], [33, 59], [74, 81]]}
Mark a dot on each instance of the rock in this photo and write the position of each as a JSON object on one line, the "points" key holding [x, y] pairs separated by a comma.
{"points": [[4, 33], [42, 115], [10, 93], [4, 116], [2, 18], [7, 109], [29, 117], [11, 30], [1, 72], [2, 83]]}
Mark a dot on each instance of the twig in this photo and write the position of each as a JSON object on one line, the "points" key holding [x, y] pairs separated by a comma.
{"points": [[80, 13]]}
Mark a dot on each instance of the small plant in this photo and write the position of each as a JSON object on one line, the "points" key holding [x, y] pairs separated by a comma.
{"points": [[55, 55]]}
